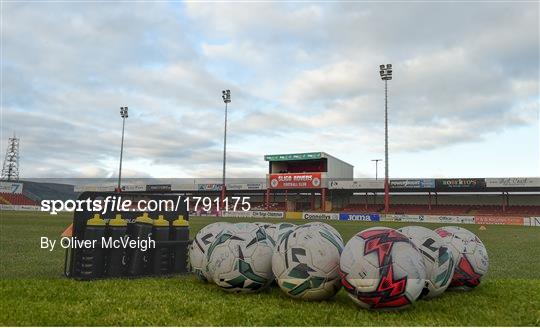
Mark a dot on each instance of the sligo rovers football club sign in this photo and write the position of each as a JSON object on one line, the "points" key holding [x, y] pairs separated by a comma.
{"points": [[295, 181]]}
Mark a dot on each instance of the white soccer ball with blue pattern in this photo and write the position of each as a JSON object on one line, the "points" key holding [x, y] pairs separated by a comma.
{"points": [[438, 259], [306, 263], [199, 246], [240, 260]]}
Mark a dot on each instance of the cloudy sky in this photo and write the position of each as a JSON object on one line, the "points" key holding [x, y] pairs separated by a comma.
{"points": [[464, 101]]}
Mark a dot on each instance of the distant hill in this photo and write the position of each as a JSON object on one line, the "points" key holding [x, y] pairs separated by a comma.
{"points": [[46, 190]]}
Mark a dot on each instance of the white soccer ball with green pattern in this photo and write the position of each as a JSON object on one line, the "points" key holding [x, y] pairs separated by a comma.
{"points": [[240, 260], [326, 226], [437, 257], [199, 246], [276, 231], [262, 224], [306, 263]]}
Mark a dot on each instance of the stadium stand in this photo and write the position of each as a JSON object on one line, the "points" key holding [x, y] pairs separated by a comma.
{"points": [[362, 208], [434, 209], [45, 190], [15, 199], [445, 209]]}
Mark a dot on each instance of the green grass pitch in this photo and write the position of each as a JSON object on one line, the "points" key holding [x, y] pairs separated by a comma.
{"points": [[34, 292]]}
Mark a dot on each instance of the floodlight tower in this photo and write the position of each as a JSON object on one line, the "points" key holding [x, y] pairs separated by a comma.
{"points": [[386, 75], [226, 96], [124, 115], [10, 169]]}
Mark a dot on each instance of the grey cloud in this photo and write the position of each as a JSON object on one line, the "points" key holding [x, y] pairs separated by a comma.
{"points": [[302, 70]]}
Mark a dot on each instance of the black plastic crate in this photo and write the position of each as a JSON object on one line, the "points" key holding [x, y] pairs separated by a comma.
{"points": [[171, 241]]}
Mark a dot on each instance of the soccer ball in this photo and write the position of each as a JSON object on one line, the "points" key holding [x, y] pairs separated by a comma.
{"points": [[326, 226], [382, 269], [437, 259], [262, 224], [471, 256], [306, 263], [245, 225], [240, 260], [199, 246], [269, 229], [276, 231]]}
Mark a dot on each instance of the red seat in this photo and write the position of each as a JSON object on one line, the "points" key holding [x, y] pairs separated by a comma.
{"points": [[16, 199]]}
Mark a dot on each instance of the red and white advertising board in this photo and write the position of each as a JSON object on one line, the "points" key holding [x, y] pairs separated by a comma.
{"points": [[493, 219], [295, 181]]}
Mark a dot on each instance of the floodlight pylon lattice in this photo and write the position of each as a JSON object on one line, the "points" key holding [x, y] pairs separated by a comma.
{"points": [[10, 169]]}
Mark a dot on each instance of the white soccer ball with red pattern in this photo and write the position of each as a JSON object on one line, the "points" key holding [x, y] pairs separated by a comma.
{"points": [[470, 255], [382, 269]]}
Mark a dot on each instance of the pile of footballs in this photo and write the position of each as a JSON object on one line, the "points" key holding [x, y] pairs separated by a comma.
{"points": [[380, 268]]}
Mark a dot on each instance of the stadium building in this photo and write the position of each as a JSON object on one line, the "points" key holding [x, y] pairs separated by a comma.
{"points": [[319, 182], [318, 185]]}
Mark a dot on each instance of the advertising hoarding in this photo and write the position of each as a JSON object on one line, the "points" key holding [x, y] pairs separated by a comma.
{"points": [[236, 214], [268, 214], [456, 184], [293, 215], [493, 219], [413, 183], [449, 219], [295, 180], [293, 157], [94, 188], [209, 187], [320, 216], [357, 184], [19, 207], [184, 186], [134, 188], [158, 187], [533, 221], [429, 218], [512, 182], [359, 217], [246, 186], [255, 214], [11, 187], [404, 218]]}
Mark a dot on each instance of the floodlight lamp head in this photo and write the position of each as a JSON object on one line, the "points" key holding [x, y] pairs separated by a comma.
{"points": [[226, 96], [124, 112], [385, 72]]}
